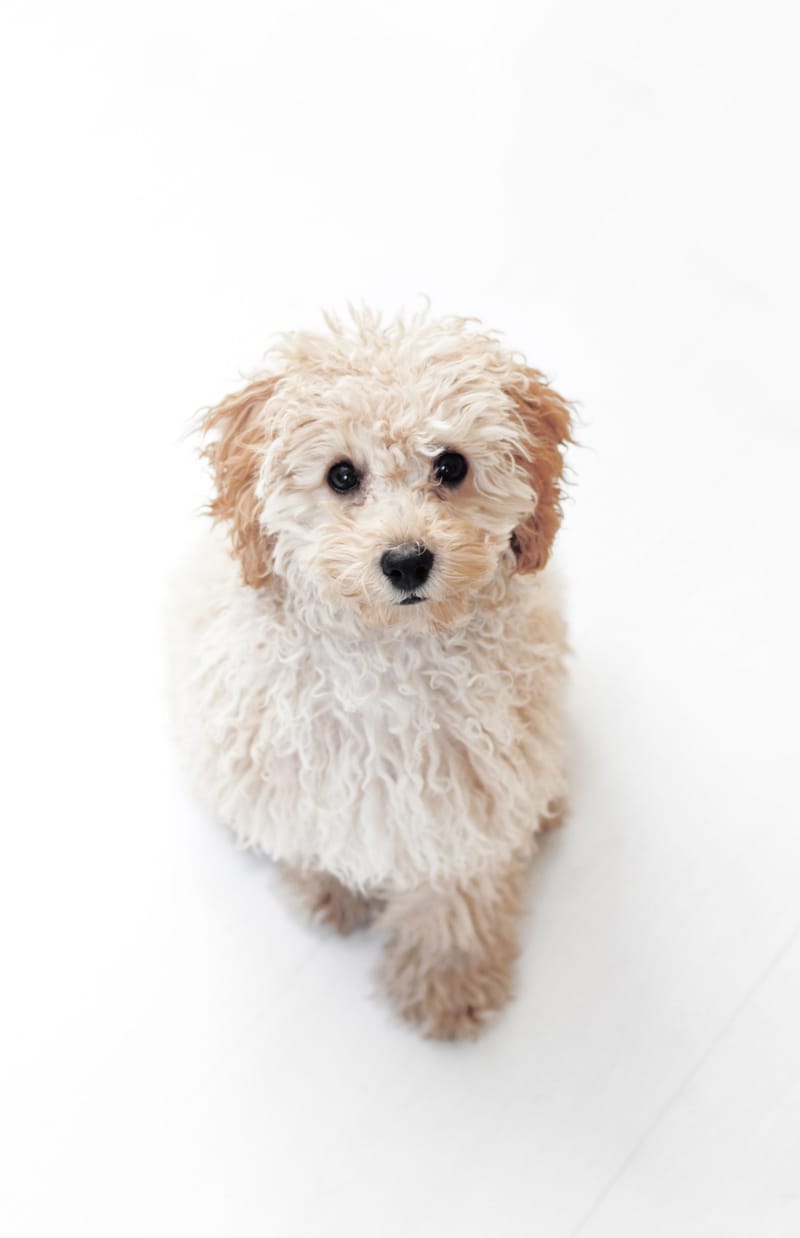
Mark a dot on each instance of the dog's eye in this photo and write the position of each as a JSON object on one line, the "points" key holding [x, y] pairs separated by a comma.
{"points": [[343, 476], [450, 468]]}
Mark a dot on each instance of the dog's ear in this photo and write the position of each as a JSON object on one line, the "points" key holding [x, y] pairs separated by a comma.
{"points": [[547, 422], [240, 430]]}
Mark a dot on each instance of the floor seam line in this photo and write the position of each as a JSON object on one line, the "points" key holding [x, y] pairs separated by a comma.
{"points": [[704, 1056]]}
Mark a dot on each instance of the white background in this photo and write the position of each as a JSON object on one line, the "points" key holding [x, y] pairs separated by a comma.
{"points": [[613, 185]]}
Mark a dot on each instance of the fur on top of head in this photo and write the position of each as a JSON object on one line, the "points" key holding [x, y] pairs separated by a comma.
{"points": [[421, 434]]}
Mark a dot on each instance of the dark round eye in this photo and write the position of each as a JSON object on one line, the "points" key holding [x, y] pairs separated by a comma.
{"points": [[343, 476], [450, 468]]}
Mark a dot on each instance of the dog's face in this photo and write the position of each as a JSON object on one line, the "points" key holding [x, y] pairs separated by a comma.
{"points": [[395, 470]]}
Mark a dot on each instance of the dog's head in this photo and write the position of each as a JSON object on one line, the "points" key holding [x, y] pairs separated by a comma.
{"points": [[396, 470]]}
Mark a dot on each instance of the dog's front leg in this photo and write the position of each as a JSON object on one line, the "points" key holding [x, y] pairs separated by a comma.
{"points": [[449, 961]]}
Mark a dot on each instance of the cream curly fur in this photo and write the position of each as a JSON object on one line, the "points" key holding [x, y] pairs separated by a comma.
{"points": [[397, 759]]}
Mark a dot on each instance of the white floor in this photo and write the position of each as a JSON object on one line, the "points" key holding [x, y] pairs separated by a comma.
{"points": [[616, 187]]}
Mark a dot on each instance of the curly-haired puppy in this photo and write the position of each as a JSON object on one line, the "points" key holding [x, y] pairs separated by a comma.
{"points": [[368, 654]]}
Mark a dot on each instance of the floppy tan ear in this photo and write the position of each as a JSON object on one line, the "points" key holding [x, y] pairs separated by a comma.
{"points": [[235, 456], [547, 419]]}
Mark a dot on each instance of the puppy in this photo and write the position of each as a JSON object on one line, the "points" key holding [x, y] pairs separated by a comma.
{"points": [[368, 653]]}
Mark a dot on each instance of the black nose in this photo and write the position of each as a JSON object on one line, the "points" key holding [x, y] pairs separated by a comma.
{"points": [[408, 566]]}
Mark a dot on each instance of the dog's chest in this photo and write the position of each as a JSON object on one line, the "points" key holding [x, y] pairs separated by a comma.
{"points": [[383, 760], [378, 709]]}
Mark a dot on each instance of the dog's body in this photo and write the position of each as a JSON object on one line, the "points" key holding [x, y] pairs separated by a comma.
{"points": [[397, 759], [385, 759]]}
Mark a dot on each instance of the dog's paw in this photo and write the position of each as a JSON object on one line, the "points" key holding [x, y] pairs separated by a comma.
{"points": [[340, 909], [327, 902], [453, 998]]}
